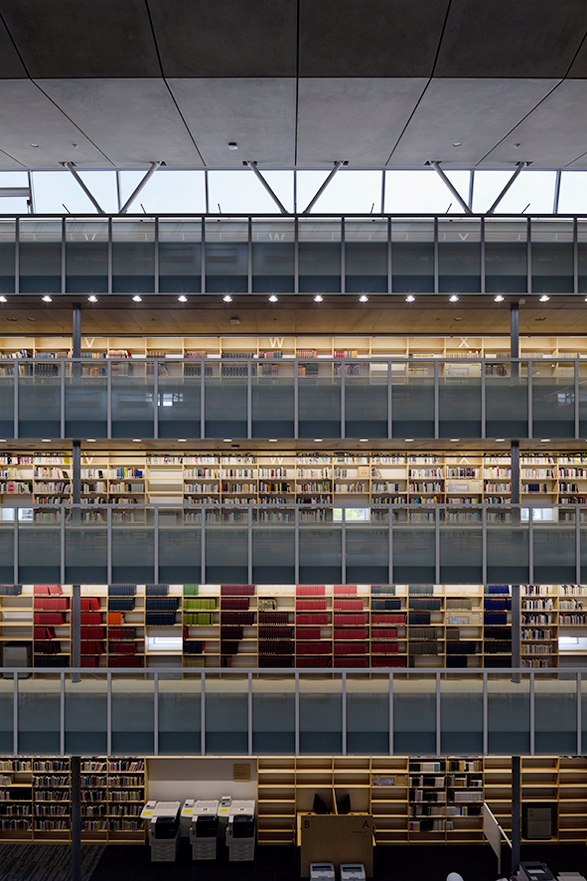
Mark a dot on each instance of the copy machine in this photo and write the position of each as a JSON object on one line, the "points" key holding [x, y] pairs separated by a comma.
{"points": [[204, 830], [240, 832], [164, 831]]}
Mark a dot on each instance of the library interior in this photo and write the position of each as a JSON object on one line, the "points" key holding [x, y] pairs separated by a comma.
{"points": [[293, 463]]}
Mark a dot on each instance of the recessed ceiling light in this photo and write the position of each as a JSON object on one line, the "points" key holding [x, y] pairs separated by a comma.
{"points": [[453, 298], [318, 440], [47, 299], [410, 298], [136, 440], [498, 299], [273, 298], [182, 440], [454, 440], [544, 440], [457, 143], [92, 298], [227, 298], [409, 440], [3, 299], [363, 298], [500, 440], [318, 298], [46, 440], [34, 145], [182, 298], [544, 298], [227, 440], [363, 440], [137, 299], [272, 440], [90, 440]]}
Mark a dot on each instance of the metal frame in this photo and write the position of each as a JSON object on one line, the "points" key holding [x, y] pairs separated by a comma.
{"points": [[336, 683]]}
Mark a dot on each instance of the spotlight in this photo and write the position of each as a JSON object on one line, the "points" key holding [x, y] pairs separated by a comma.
{"points": [[3, 299], [47, 299], [137, 299], [453, 298], [498, 299], [182, 299], [544, 298], [227, 298], [410, 298], [273, 298], [363, 298], [92, 298], [318, 298]]}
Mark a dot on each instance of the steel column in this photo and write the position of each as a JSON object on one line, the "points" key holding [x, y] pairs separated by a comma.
{"points": [[76, 821], [516, 836]]}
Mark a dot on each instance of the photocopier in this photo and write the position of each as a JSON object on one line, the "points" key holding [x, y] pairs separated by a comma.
{"points": [[240, 832], [203, 829], [535, 872], [164, 829]]}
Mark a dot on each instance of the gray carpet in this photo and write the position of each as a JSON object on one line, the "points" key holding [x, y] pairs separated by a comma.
{"points": [[45, 862]]}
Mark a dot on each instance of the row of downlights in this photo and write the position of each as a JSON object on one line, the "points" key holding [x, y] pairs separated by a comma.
{"points": [[274, 299]]}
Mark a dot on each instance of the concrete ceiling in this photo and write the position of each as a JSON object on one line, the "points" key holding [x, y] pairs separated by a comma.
{"points": [[293, 82]]}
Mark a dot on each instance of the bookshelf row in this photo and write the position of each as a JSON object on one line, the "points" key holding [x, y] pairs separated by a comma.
{"points": [[362, 626], [290, 346], [306, 478], [35, 799], [422, 800]]}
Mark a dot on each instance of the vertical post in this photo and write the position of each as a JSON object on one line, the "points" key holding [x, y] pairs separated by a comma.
{"points": [[156, 545], [296, 399], [483, 399], [156, 259], [391, 737], [156, 714], [485, 719], [436, 402], [155, 399], [109, 713], [484, 578], [577, 544], [515, 815], [15, 713], [579, 716], [203, 245], [342, 257], [16, 414], [389, 257], [203, 545], [109, 399], [17, 256], [250, 543], [62, 714], [76, 857], [109, 257], [390, 544], [203, 714], [296, 257], [343, 399], [532, 714], [15, 561], [297, 714], [249, 399], [575, 256], [436, 273], [76, 595], [343, 548], [63, 288], [436, 545], [529, 253], [109, 544], [76, 330], [482, 267], [515, 520], [389, 401], [343, 719], [250, 714], [297, 544], [576, 397], [250, 257]]}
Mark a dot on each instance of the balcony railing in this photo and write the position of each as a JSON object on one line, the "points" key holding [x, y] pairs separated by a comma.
{"points": [[250, 398], [293, 544], [220, 712]]}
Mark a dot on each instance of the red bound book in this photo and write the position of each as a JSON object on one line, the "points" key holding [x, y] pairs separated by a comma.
{"points": [[234, 603], [48, 618], [350, 648], [313, 662], [310, 605], [91, 618], [348, 618], [348, 605], [388, 618], [89, 661], [384, 648], [345, 589], [90, 604], [316, 618], [388, 662], [237, 590], [384, 633], [313, 648], [307, 633], [350, 662], [350, 633], [93, 632], [311, 590]]}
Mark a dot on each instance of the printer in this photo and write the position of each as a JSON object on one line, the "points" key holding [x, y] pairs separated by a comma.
{"points": [[164, 832], [240, 832], [322, 872], [204, 829], [352, 872], [535, 872]]}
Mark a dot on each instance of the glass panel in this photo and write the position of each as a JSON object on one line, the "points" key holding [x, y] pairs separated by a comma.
{"points": [[226, 399], [320, 715], [86, 546], [414, 543], [555, 716], [414, 714], [39, 547], [7, 237], [40, 256], [367, 715], [461, 715], [366, 256], [180, 714], [582, 249], [320, 547], [273, 257], [508, 715], [273, 399], [460, 399], [6, 714], [7, 400], [132, 399], [180, 394], [461, 540], [554, 549], [506, 398], [85, 716], [507, 548], [227, 257], [86, 400], [180, 256], [132, 716], [274, 715], [319, 399], [86, 256], [412, 256], [365, 399], [6, 545], [506, 265], [38, 716], [349, 191], [133, 543], [227, 716], [227, 545], [133, 256], [553, 399], [573, 192], [423, 191], [319, 257], [552, 257], [367, 543], [412, 404], [274, 545], [39, 400], [180, 541], [459, 256], [238, 191]]}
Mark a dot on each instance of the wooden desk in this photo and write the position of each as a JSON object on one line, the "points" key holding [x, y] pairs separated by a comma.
{"points": [[334, 838]]}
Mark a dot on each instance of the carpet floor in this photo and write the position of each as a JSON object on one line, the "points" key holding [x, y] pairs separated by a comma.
{"points": [[45, 862]]}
